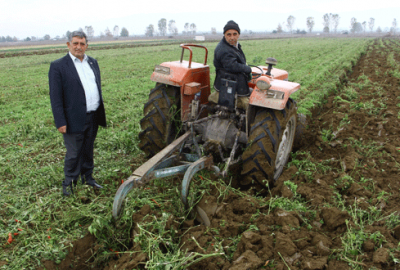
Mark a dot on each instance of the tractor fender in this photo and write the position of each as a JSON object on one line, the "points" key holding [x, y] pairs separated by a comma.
{"points": [[276, 96], [190, 80], [178, 73]]}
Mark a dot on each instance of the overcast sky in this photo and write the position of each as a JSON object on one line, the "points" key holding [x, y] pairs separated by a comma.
{"points": [[23, 18]]}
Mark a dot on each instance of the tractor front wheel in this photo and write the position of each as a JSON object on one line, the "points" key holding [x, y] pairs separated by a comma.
{"points": [[161, 122], [269, 145]]}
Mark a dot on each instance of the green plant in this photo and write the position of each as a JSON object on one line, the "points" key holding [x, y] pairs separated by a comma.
{"points": [[306, 166], [345, 121], [326, 135], [292, 186], [383, 195], [344, 181], [350, 93], [161, 248], [355, 236], [339, 199], [253, 228], [231, 248], [365, 180]]}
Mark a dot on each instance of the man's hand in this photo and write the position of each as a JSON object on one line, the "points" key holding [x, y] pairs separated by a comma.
{"points": [[63, 129], [249, 76]]}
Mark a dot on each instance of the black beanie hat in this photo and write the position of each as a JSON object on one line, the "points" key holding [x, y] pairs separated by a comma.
{"points": [[231, 25]]}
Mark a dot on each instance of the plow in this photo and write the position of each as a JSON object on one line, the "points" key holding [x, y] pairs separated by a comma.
{"points": [[186, 128]]}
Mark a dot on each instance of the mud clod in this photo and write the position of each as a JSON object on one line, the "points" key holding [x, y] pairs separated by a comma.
{"points": [[248, 260], [333, 217], [381, 255]]}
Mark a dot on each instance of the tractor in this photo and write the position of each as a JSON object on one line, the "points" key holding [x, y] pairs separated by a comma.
{"points": [[186, 128]]}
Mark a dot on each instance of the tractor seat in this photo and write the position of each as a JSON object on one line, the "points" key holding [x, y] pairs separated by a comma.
{"points": [[242, 102]]}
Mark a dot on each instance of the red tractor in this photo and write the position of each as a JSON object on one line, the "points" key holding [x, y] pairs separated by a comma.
{"points": [[182, 132]]}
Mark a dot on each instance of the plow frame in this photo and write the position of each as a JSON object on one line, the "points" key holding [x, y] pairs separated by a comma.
{"points": [[166, 163]]}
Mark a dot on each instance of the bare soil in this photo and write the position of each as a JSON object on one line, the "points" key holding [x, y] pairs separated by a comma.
{"points": [[361, 154]]}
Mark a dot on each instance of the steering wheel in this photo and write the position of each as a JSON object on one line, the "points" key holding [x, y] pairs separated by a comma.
{"points": [[257, 75]]}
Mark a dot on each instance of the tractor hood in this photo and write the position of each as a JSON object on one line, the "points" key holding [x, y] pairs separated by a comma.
{"points": [[276, 73], [276, 96]]}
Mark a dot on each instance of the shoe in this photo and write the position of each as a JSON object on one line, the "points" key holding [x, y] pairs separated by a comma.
{"points": [[94, 184], [91, 182], [65, 191]]}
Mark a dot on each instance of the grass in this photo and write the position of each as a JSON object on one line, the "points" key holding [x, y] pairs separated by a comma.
{"points": [[32, 151]]}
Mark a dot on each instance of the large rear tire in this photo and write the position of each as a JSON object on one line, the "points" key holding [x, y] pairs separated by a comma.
{"points": [[299, 138], [161, 122], [270, 144]]}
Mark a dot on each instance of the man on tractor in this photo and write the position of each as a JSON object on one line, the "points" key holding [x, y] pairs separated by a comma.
{"points": [[232, 72], [257, 135]]}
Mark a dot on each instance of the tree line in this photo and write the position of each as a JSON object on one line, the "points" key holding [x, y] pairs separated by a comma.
{"points": [[189, 28], [8, 39], [88, 30], [115, 33], [330, 24]]}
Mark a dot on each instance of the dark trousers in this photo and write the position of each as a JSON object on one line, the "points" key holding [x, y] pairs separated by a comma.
{"points": [[79, 156]]}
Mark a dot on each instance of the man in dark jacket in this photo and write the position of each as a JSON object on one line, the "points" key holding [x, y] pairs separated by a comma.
{"points": [[230, 62], [78, 109]]}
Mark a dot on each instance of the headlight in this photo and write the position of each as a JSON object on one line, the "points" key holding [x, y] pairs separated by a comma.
{"points": [[161, 69], [263, 84], [275, 94]]}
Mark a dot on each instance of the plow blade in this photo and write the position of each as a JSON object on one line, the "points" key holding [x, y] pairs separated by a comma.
{"points": [[148, 171], [204, 162]]}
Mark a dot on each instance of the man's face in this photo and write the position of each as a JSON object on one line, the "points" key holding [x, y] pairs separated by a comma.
{"points": [[77, 47], [232, 36]]}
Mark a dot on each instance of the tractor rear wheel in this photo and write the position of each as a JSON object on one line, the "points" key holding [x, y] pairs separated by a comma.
{"points": [[269, 145], [161, 122], [299, 138]]}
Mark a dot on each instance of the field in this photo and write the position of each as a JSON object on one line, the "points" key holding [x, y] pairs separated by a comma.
{"points": [[336, 206]]}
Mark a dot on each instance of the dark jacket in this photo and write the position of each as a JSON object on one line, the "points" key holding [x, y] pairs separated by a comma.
{"points": [[230, 63], [67, 95]]}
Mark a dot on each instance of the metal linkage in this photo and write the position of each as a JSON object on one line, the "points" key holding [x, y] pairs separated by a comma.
{"points": [[221, 153], [231, 160], [196, 145], [201, 111], [202, 120]]}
